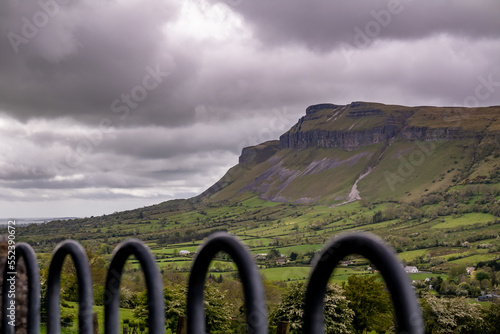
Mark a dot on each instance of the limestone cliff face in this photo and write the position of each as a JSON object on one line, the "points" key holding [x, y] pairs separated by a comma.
{"points": [[346, 127], [346, 140], [259, 153]]}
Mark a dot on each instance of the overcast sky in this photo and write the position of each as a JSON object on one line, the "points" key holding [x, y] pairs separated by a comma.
{"points": [[109, 105]]}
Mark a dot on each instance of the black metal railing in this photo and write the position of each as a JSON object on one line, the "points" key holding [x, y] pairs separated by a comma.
{"points": [[408, 315]]}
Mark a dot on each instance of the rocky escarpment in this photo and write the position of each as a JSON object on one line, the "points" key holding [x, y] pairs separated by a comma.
{"points": [[317, 107], [346, 140], [346, 127], [260, 153]]}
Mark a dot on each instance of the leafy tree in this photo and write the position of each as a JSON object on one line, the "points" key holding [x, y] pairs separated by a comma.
{"points": [[273, 254], [44, 272], [482, 275], [128, 298], [338, 315], [377, 217], [217, 310], [451, 315], [491, 316], [457, 271], [436, 283], [69, 283], [370, 302]]}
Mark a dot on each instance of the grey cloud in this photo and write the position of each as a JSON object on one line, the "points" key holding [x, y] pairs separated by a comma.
{"points": [[61, 136], [30, 167], [114, 45], [324, 25]]}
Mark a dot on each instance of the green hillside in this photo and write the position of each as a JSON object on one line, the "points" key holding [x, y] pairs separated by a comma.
{"points": [[426, 189], [407, 151]]}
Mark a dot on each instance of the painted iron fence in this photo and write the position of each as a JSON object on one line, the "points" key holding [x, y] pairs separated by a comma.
{"points": [[408, 315]]}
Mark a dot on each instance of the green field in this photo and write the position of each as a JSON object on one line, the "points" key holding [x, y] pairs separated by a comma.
{"points": [[73, 309], [474, 259], [411, 255], [465, 220], [423, 276], [285, 273]]}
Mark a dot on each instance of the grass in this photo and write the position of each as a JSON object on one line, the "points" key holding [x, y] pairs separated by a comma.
{"points": [[465, 220], [341, 274], [300, 248], [408, 170], [412, 255], [124, 314], [285, 273], [471, 260], [423, 276], [256, 202]]}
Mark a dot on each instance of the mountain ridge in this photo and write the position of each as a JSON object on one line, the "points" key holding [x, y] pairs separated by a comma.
{"points": [[324, 154]]}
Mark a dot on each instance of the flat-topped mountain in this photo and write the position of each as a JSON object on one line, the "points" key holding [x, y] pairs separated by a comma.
{"points": [[338, 153], [359, 124]]}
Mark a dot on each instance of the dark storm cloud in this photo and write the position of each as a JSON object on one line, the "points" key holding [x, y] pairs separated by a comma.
{"points": [[87, 55], [324, 25], [87, 59], [155, 99]]}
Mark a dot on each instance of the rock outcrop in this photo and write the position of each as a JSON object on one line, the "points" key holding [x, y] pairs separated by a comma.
{"points": [[346, 140], [317, 107], [260, 153]]}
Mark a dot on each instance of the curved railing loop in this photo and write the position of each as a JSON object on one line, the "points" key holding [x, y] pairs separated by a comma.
{"points": [[409, 318], [154, 285], [250, 277], [84, 279], [22, 250]]}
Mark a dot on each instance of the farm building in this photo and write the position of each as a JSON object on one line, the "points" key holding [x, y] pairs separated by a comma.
{"points": [[411, 270], [487, 297], [261, 256]]}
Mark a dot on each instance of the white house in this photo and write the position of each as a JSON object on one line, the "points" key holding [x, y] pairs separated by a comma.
{"points": [[411, 270], [184, 252]]}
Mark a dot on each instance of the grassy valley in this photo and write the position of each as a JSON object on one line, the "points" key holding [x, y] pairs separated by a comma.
{"points": [[426, 180]]}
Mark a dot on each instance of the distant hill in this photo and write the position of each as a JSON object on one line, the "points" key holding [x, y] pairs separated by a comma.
{"points": [[341, 153]]}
